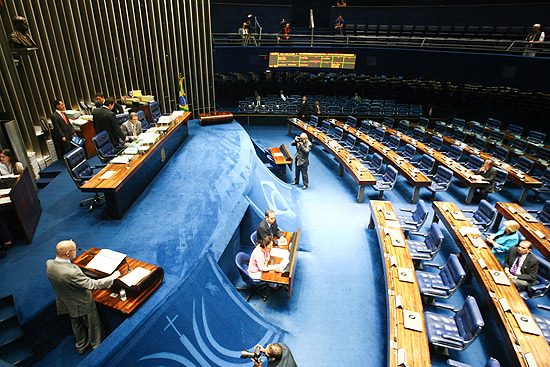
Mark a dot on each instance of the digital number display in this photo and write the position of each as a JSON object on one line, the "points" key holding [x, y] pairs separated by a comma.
{"points": [[311, 60]]}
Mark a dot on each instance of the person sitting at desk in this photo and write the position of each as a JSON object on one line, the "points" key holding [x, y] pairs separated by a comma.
{"points": [[259, 260], [506, 238], [269, 227], [521, 266], [489, 173], [132, 127], [9, 164]]}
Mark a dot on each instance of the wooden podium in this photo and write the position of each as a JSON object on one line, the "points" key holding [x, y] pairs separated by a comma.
{"points": [[136, 294]]}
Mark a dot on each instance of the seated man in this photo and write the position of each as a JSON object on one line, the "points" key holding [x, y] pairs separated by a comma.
{"points": [[521, 266], [278, 355], [488, 173], [132, 127], [269, 227]]}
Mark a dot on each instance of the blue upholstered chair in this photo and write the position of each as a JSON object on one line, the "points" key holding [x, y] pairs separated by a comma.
{"points": [[543, 153], [479, 143], [536, 137], [144, 123], [241, 260], [155, 111], [417, 218], [491, 362], [455, 332], [351, 121], [313, 120], [493, 123], [393, 143], [325, 127], [338, 134], [514, 130], [474, 163], [387, 182], [429, 247], [543, 281], [483, 216], [436, 143], [389, 122], [458, 123], [103, 146], [442, 284], [455, 153], [440, 127], [500, 179], [459, 135], [349, 143], [122, 118], [544, 214], [409, 152], [80, 172], [477, 129], [363, 153], [418, 134], [365, 127], [543, 322], [253, 238], [403, 126], [375, 165], [519, 145], [500, 153], [545, 188], [423, 122], [441, 180], [379, 135], [524, 164], [426, 164], [497, 136]]}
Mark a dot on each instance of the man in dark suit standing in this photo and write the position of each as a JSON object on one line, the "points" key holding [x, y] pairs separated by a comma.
{"points": [[63, 130], [303, 147], [269, 227], [100, 101], [521, 266], [105, 120], [304, 108], [73, 295]]}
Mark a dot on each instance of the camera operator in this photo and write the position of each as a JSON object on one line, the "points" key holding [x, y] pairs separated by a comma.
{"points": [[303, 147], [278, 355]]}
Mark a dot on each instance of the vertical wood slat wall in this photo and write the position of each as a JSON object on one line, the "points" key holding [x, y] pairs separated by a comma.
{"points": [[109, 46]]}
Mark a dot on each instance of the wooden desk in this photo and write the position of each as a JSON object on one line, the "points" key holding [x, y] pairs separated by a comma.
{"points": [[87, 132], [528, 228], [516, 342], [279, 157], [125, 186], [286, 279], [459, 171], [346, 160], [414, 342], [136, 294], [514, 174], [215, 117], [415, 177], [24, 203]]}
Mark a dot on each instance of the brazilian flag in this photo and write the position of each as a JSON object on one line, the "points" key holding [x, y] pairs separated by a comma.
{"points": [[182, 100]]}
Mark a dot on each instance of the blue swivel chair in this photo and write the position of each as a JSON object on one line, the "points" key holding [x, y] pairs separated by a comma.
{"points": [[426, 164], [524, 164], [440, 127], [493, 123], [253, 238], [441, 180], [379, 135], [122, 118], [351, 121], [545, 188], [479, 143], [389, 122], [393, 143], [387, 182], [325, 127], [423, 122], [477, 129], [543, 153], [442, 284], [514, 130], [80, 172], [363, 153], [458, 123], [338, 134], [375, 165], [365, 127], [536, 137], [500, 179], [497, 136], [417, 218], [474, 163], [418, 134], [349, 143], [544, 214], [429, 247], [436, 143], [491, 362], [500, 153], [409, 152], [155, 111], [241, 260], [483, 216], [543, 281], [103, 146], [455, 153], [144, 123], [543, 323], [313, 120], [403, 126], [455, 332], [519, 145], [459, 135]]}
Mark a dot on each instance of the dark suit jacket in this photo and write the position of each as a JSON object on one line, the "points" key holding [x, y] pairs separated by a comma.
{"points": [[72, 288], [302, 153], [287, 359], [105, 120], [530, 266], [264, 230], [489, 176], [304, 109], [62, 130]]}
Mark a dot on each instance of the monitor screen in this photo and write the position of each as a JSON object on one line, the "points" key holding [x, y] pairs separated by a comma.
{"points": [[317, 60]]}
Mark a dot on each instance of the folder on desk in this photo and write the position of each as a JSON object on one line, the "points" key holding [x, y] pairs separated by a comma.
{"points": [[528, 218], [527, 324], [458, 215], [389, 215], [405, 275], [106, 261], [477, 241], [499, 277], [464, 231], [279, 252], [396, 237], [412, 320]]}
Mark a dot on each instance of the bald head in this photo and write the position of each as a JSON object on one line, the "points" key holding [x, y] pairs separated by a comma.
{"points": [[66, 249], [536, 26], [303, 136]]}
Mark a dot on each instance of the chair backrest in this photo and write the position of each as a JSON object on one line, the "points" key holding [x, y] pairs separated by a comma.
{"points": [[379, 134], [426, 163], [500, 153], [493, 123], [155, 110], [394, 142], [390, 175], [474, 162], [443, 176], [519, 144], [376, 163], [544, 214], [524, 164], [241, 260], [469, 320], [418, 134], [253, 238], [497, 136], [409, 151], [500, 179], [420, 213], [545, 178], [455, 152], [452, 274], [78, 166], [459, 135], [313, 120], [403, 126], [122, 118], [440, 127], [479, 143], [436, 142], [363, 150], [485, 213], [143, 120], [351, 121], [543, 153], [351, 140], [338, 133], [423, 122], [103, 146], [325, 126], [435, 238], [477, 129], [389, 122], [536, 137], [458, 123], [514, 129], [365, 126]]}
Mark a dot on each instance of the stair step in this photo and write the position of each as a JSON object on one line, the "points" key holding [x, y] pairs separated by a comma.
{"points": [[7, 313], [16, 357], [49, 174], [9, 332], [44, 181]]}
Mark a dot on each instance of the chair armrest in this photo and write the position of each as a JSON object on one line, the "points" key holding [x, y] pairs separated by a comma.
{"points": [[419, 234], [101, 165], [410, 222], [532, 211], [441, 288], [406, 210], [543, 307], [467, 210], [423, 250], [445, 306], [453, 363], [432, 265], [453, 338]]}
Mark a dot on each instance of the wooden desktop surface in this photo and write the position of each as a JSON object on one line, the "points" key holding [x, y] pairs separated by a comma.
{"points": [[278, 156], [414, 342], [512, 211], [136, 295], [284, 278], [517, 342]]}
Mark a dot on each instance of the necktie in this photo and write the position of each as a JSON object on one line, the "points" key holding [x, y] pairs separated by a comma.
{"points": [[516, 266], [64, 118]]}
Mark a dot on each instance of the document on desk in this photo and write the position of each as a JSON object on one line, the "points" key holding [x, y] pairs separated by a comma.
{"points": [[396, 236], [405, 275], [389, 215], [279, 252], [464, 231], [121, 159], [106, 261], [477, 241], [135, 276], [277, 154], [528, 218], [527, 324], [5, 200], [4, 192], [107, 175], [412, 320], [499, 277], [458, 215]]}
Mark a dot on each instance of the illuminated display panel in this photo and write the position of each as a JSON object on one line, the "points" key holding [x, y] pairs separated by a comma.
{"points": [[317, 60]]}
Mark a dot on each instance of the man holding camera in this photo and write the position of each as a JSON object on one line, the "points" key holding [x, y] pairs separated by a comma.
{"points": [[278, 355], [303, 147]]}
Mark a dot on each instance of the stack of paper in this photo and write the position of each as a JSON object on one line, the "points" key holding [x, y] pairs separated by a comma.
{"points": [[106, 261], [135, 276], [51, 150]]}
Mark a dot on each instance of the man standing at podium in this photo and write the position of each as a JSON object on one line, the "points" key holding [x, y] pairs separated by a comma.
{"points": [[73, 295]]}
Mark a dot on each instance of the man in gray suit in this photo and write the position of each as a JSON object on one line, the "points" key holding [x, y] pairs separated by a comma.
{"points": [[73, 295], [132, 127], [303, 147]]}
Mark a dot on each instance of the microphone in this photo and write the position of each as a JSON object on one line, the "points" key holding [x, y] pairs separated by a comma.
{"points": [[128, 265], [81, 249]]}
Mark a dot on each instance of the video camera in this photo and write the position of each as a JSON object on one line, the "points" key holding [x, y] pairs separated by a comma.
{"points": [[256, 355]]}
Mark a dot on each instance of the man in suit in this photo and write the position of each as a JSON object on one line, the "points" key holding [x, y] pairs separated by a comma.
{"points": [[100, 101], [63, 130], [132, 127], [521, 266], [489, 173], [317, 108], [303, 147], [304, 109], [105, 120], [269, 227], [73, 295], [278, 355]]}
